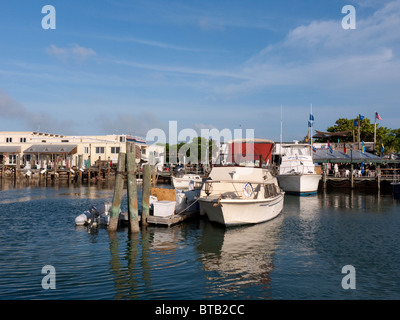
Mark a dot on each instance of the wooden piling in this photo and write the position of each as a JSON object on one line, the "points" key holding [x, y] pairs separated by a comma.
{"points": [[118, 189], [133, 213], [146, 193]]}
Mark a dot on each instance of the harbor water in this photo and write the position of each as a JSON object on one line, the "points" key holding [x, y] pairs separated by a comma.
{"points": [[299, 255]]}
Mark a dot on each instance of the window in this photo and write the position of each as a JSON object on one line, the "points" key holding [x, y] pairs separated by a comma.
{"points": [[22, 139], [99, 149], [64, 140], [121, 139], [143, 151], [115, 149], [8, 139], [85, 149], [12, 159], [43, 140]]}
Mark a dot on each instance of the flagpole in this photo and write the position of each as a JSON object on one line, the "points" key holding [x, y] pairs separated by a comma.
{"points": [[359, 139], [374, 131]]}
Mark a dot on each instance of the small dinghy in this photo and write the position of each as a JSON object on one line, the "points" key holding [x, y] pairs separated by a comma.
{"points": [[95, 216]]}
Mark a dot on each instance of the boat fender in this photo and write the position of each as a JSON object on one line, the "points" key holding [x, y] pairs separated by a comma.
{"points": [[248, 190]]}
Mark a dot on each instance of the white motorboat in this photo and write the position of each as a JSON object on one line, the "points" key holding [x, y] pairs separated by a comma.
{"points": [[185, 181], [297, 172], [237, 195]]}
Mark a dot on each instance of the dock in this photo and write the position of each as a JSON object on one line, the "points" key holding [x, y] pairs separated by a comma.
{"points": [[172, 220]]}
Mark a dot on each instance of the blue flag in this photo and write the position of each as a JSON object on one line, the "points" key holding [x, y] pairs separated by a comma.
{"points": [[382, 147], [355, 123], [361, 117], [363, 147], [330, 148], [311, 117]]}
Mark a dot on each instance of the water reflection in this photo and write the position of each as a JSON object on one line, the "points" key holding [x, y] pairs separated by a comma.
{"points": [[237, 258]]}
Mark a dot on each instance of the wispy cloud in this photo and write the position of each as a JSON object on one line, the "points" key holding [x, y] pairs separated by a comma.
{"points": [[74, 52], [152, 43]]}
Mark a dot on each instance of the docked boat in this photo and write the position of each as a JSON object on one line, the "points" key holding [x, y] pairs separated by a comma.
{"points": [[235, 195], [297, 172], [187, 181]]}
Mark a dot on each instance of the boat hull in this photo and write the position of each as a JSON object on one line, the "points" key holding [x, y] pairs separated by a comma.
{"points": [[230, 212], [302, 184], [184, 183]]}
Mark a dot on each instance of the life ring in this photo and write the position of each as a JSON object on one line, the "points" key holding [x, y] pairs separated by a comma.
{"points": [[248, 190]]}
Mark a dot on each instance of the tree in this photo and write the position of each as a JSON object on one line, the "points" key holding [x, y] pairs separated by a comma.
{"points": [[366, 130], [392, 141]]}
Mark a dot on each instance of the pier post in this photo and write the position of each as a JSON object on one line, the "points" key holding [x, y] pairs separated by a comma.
{"points": [[118, 189], [378, 177], [133, 213], [324, 175], [352, 176], [146, 193]]}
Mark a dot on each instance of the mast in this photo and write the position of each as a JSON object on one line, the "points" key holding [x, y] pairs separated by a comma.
{"points": [[281, 126], [311, 125]]}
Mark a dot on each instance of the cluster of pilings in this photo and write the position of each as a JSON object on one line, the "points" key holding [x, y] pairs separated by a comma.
{"points": [[127, 166]]}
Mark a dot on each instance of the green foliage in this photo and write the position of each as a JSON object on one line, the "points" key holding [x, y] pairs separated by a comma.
{"points": [[389, 137], [194, 150]]}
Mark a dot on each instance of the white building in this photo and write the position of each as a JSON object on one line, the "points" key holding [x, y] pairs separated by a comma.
{"points": [[47, 149]]}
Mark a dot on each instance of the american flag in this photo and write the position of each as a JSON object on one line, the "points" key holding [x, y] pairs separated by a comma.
{"points": [[377, 116]]}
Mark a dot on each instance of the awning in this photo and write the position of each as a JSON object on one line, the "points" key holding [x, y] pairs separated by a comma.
{"points": [[10, 149], [321, 134], [53, 148], [355, 156]]}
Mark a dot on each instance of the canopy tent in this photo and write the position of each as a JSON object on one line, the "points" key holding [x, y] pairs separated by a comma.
{"points": [[355, 156]]}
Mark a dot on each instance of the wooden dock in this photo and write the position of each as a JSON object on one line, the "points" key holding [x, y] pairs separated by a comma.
{"points": [[173, 219]]}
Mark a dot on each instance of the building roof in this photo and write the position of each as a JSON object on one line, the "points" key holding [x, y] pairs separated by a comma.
{"points": [[10, 149], [52, 148]]}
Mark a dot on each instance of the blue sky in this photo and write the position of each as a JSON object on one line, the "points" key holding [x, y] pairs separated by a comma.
{"points": [[131, 66]]}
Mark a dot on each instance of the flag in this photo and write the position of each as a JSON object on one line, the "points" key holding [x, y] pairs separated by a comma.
{"points": [[344, 149], [382, 147], [330, 148], [313, 149], [309, 124], [311, 117], [363, 147], [355, 123], [377, 116], [361, 117]]}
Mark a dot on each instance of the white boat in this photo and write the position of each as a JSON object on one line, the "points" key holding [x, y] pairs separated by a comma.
{"points": [[185, 181], [297, 173], [240, 195]]}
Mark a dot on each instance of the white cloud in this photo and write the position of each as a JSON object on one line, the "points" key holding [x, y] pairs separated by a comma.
{"points": [[323, 55], [74, 52]]}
